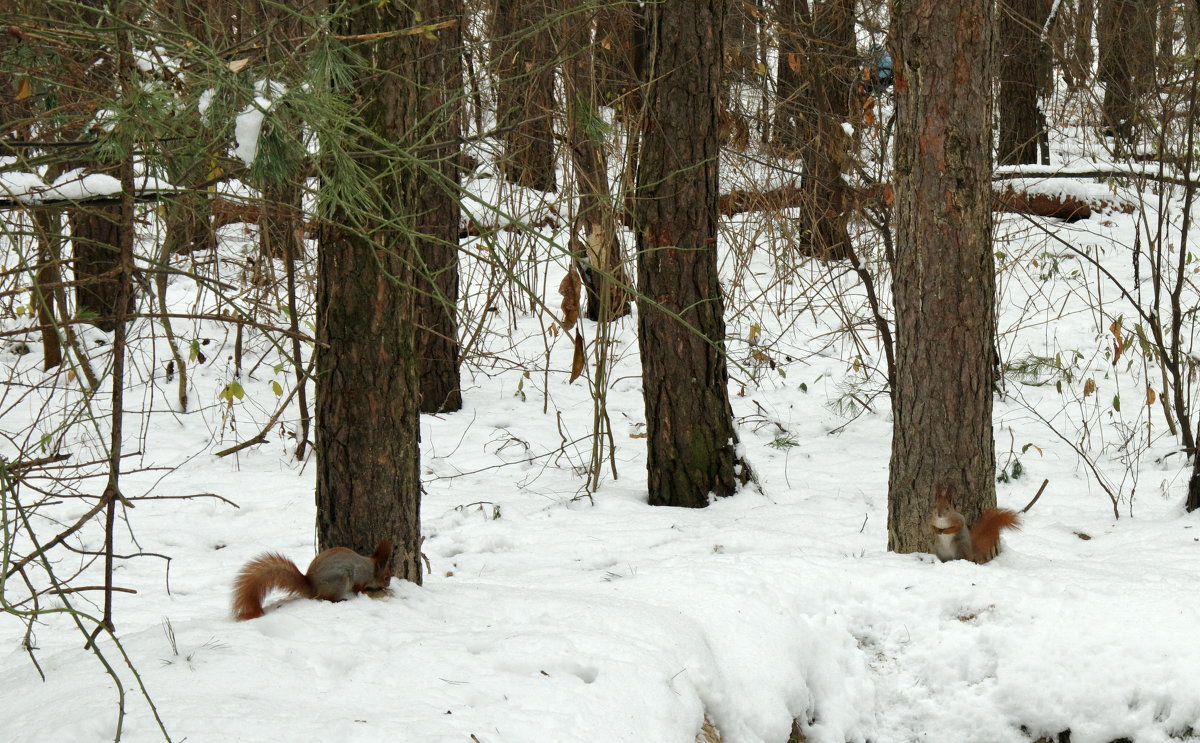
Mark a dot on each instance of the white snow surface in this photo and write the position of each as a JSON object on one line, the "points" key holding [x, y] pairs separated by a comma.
{"points": [[248, 124], [550, 617], [74, 185]]}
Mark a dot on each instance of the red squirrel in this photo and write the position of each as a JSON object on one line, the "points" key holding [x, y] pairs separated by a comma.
{"points": [[333, 575], [952, 539]]}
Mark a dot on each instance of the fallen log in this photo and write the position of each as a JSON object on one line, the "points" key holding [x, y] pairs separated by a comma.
{"points": [[1004, 199]]}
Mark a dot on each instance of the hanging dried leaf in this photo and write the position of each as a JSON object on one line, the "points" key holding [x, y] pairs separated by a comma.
{"points": [[1089, 387], [579, 360], [1119, 346], [569, 289]]}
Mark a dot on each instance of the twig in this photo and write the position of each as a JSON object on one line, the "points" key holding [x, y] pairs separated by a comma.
{"points": [[14, 467], [182, 497], [1039, 495], [261, 438]]}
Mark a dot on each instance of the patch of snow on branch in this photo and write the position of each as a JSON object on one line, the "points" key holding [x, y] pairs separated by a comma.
{"points": [[248, 126]]}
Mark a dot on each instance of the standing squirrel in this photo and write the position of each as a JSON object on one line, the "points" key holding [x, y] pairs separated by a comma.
{"points": [[333, 575], [952, 539]]}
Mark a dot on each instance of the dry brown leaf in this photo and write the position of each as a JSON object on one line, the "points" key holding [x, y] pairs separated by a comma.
{"points": [[1089, 387], [1119, 347], [569, 289], [579, 360], [24, 90]]}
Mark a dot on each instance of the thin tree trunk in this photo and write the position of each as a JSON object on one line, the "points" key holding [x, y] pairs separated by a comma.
{"points": [[792, 130], [593, 240], [525, 103], [693, 447], [1127, 58], [944, 284], [95, 234], [620, 52], [832, 60], [48, 225]]}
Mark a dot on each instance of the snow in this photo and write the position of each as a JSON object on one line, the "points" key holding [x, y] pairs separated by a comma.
{"points": [[74, 185], [553, 616], [248, 124]]}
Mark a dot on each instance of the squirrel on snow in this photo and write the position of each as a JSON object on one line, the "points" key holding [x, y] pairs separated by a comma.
{"points": [[954, 541], [333, 575]]}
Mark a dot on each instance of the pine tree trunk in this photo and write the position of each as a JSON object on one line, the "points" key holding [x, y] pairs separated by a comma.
{"points": [[826, 157], [438, 75], [95, 231], [368, 455], [593, 240], [1126, 33], [693, 449], [525, 103], [944, 283], [791, 130], [1023, 68]]}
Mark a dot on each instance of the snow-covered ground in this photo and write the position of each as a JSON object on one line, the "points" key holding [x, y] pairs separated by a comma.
{"points": [[551, 616]]}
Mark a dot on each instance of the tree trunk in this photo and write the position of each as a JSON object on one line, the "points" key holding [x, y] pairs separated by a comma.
{"points": [[693, 449], [832, 60], [48, 226], [438, 75], [944, 283], [368, 455], [95, 231], [1023, 68], [593, 240], [525, 102], [1127, 57], [791, 129]]}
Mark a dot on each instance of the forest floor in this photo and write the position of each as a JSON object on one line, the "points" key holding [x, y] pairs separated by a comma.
{"points": [[552, 615]]}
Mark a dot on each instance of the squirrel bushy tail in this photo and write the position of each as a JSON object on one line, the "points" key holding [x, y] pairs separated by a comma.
{"points": [[985, 533], [260, 575]]}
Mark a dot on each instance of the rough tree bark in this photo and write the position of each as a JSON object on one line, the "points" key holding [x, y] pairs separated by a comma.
{"points": [[1023, 68], [790, 130], [1126, 34], [525, 103], [438, 77], [593, 240], [693, 447], [944, 283], [826, 157], [95, 230], [619, 45], [368, 455], [815, 79]]}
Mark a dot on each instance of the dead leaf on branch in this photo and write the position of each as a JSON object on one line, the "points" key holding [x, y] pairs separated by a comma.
{"points": [[579, 360], [1120, 341], [569, 289]]}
